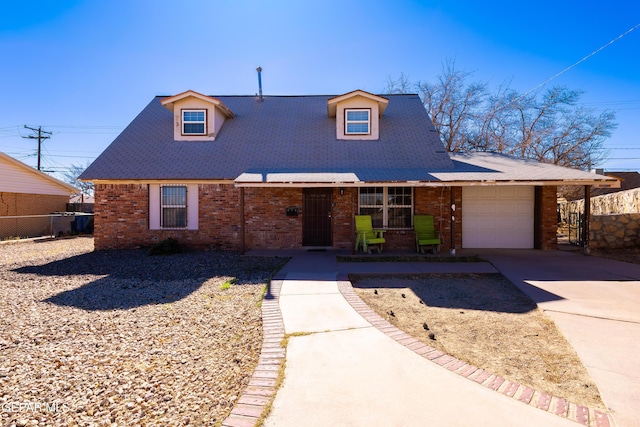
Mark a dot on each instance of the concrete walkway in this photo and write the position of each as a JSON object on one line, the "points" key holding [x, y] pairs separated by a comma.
{"points": [[595, 302], [347, 366]]}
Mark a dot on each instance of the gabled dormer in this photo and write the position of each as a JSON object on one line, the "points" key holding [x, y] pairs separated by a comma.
{"points": [[196, 117], [357, 115]]}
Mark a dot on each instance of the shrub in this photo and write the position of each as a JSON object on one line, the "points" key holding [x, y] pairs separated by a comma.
{"points": [[167, 246]]}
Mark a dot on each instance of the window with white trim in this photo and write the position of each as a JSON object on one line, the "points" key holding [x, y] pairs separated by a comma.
{"points": [[173, 206], [389, 207], [357, 121], [194, 122]]}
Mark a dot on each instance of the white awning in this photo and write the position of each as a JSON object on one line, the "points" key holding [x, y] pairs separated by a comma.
{"points": [[253, 178]]}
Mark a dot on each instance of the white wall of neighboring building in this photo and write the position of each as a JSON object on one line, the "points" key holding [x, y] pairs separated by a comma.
{"points": [[16, 177]]}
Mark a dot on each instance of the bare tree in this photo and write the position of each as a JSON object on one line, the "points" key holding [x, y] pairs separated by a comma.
{"points": [[453, 105], [549, 126], [556, 129], [71, 177], [401, 85], [491, 129]]}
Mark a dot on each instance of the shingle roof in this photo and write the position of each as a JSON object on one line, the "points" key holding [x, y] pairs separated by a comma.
{"points": [[293, 139], [282, 133], [488, 167]]}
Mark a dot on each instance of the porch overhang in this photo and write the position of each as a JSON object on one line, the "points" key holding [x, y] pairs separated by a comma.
{"points": [[296, 179], [351, 180]]}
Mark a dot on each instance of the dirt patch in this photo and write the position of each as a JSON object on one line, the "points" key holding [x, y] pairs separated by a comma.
{"points": [[485, 321], [631, 254], [567, 236]]}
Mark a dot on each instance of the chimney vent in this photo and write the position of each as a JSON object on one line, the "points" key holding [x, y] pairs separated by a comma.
{"points": [[259, 70]]}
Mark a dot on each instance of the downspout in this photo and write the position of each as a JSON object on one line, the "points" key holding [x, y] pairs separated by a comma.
{"points": [[354, 201], [453, 222], [242, 244], [586, 219]]}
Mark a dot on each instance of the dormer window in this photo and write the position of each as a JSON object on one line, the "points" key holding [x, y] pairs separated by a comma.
{"points": [[357, 121], [196, 117], [194, 122], [358, 115]]}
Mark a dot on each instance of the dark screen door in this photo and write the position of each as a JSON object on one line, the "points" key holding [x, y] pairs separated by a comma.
{"points": [[316, 217]]}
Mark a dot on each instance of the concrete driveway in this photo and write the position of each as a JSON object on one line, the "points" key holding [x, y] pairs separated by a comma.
{"points": [[596, 304]]}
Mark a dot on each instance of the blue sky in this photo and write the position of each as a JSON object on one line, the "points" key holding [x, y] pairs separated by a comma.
{"points": [[84, 69]]}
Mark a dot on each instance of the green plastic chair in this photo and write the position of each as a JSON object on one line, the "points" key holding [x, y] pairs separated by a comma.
{"points": [[425, 233], [367, 237]]}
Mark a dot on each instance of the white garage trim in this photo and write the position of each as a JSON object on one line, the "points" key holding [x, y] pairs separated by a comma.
{"points": [[498, 217]]}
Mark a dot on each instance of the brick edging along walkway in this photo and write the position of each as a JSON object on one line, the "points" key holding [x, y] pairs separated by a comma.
{"points": [[555, 405], [262, 386]]}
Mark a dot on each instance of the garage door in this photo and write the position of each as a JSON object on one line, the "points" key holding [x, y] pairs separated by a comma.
{"points": [[497, 217]]}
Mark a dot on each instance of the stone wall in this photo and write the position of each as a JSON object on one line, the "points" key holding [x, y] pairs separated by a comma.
{"points": [[621, 202], [614, 218], [614, 231]]}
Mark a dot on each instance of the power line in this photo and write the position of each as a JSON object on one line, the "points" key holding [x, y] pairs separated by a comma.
{"points": [[580, 61], [40, 138]]}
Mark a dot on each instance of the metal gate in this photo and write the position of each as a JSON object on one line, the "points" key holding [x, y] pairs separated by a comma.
{"points": [[575, 221]]}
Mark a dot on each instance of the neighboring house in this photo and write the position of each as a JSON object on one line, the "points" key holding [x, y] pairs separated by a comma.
{"points": [[243, 172], [628, 181], [27, 191], [81, 203], [605, 201]]}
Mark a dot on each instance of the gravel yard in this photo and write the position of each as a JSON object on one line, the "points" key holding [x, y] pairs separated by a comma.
{"points": [[124, 339]]}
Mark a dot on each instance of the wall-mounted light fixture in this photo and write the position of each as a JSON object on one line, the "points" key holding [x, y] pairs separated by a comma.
{"points": [[342, 191]]}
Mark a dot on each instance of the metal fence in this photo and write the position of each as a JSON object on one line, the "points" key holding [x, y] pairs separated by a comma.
{"points": [[80, 207], [52, 225]]}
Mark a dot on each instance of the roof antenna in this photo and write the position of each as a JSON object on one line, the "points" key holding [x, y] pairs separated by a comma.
{"points": [[259, 70]]}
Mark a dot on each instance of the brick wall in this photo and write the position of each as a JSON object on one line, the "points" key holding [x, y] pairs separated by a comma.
{"points": [[219, 218], [266, 224], [122, 218], [344, 208], [548, 222], [12, 204], [428, 201], [437, 202], [121, 215], [16, 204]]}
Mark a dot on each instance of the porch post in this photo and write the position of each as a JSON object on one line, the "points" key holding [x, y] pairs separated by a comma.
{"points": [[453, 222], [586, 219], [242, 247], [354, 207]]}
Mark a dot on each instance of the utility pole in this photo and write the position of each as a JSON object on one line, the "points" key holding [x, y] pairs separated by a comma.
{"points": [[40, 137]]}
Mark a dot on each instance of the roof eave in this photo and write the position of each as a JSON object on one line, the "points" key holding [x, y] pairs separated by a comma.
{"points": [[333, 102], [170, 101]]}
